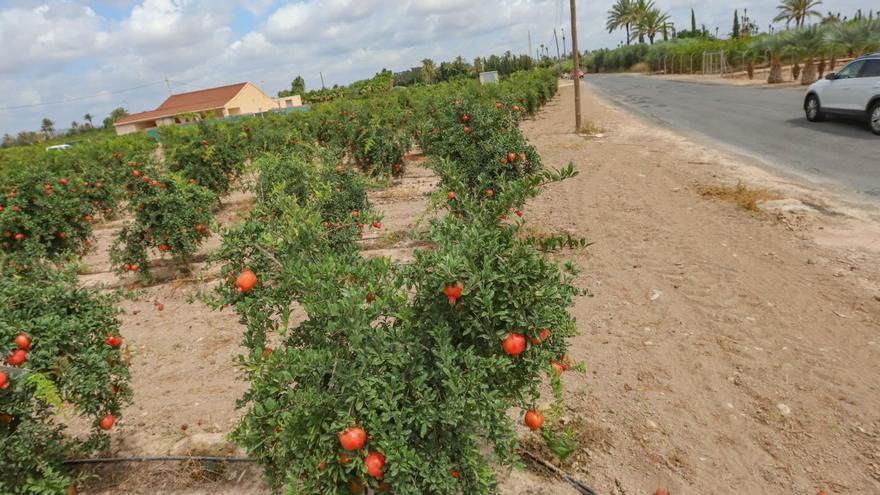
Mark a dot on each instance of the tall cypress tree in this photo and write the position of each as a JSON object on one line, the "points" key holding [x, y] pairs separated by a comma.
{"points": [[693, 23], [736, 29]]}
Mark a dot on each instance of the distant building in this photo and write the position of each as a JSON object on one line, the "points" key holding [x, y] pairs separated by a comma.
{"points": [[289, 102], [224, 101]]}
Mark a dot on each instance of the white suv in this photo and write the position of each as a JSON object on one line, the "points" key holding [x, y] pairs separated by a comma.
{"points": [[854, 91]]}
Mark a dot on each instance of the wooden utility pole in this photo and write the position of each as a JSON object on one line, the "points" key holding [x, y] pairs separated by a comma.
{"points": [[564, 46], [577, 69]]}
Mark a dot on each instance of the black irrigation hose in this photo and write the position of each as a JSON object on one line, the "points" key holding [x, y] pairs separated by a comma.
{"points": [[576, 484], [159, 458], [579, 486]]}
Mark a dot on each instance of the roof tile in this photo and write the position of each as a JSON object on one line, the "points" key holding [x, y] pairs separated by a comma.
{"points": [[194, 101]]}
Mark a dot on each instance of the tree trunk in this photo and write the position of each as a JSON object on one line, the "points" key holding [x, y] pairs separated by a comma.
{"points": [[821, 66], [627, 34], [795, 71], [775, 76], [809, 74], [751, 69], [833, 61]]}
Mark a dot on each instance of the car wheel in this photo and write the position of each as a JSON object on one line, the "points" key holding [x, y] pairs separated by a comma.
{"points": [[813, 109], [874, 118]]}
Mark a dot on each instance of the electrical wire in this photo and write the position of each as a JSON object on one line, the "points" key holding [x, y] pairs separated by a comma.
{"points": [[80, 98], [185, 84]]}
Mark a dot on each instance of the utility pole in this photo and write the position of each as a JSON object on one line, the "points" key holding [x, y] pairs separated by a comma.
{"points": [[322, 80], [557, 43], [564, 46], [168, 84], [577, 69], [530, 42]]}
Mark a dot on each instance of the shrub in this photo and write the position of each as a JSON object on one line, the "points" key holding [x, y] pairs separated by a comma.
{"points": [[51, 199], [70, 370], [171, 215], [210, 153], [413, 355], [374, 131], [44, 214]]}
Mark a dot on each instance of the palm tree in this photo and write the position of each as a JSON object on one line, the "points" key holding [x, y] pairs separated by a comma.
{"points": [[621, 15], [47, 127], [656, 23], [773, 45], [805, 44], [854, 37], [753, 53], [428, 68], [641, 8], [88, 118], [797, 11]]}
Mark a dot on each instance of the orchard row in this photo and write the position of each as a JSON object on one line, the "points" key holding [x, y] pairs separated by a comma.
{"points": [[401, 376], [382, 350]]}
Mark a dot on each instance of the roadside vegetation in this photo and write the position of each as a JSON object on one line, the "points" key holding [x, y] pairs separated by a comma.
{"points": [[812, 43], [747, 198], [49, 135]]}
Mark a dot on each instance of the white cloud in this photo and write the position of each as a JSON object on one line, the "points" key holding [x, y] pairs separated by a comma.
{"points": [[161, 25], [47, 34]]}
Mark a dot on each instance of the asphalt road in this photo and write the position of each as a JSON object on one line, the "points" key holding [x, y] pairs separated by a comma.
{"points": [[766, 124]]}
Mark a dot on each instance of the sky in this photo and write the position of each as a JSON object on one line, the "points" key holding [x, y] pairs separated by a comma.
{"points": [[64, 58]]}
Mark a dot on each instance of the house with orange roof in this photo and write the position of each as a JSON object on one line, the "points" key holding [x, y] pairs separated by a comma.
{"points": [[224, 101]]}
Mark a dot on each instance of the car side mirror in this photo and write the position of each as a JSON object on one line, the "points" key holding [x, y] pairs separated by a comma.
{"points": [[831, 76]]}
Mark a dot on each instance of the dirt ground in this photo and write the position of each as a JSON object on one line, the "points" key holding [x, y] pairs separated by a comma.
{"points": [[727, 351], [759, 79]]}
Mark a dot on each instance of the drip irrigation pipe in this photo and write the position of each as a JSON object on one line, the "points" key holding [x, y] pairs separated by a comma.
{"points": [[160, 458], [577, 485]]}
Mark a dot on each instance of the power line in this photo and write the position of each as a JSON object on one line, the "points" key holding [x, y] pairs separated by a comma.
{"points": [[185, 84], [80, 98]]}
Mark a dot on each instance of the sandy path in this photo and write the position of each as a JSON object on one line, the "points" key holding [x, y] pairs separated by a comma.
{"points": [[727, 354]]}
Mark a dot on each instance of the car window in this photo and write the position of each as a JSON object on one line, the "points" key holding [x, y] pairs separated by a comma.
{"points": [[871, 68], [851, 70]]}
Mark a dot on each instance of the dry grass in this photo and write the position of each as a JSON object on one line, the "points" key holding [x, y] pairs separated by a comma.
{"points": [[590, 128], [390, 239], [740, 194], [395, 195], [532, 231], [640, 67]]}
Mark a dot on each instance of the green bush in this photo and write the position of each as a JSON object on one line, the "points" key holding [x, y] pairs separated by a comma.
{"points": [[70, 370], [171, 215], [381, 347], [210, 153]]}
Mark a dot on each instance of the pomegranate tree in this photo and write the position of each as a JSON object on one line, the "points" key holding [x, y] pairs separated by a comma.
{"points": [[398, 376], [65, 368]]}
